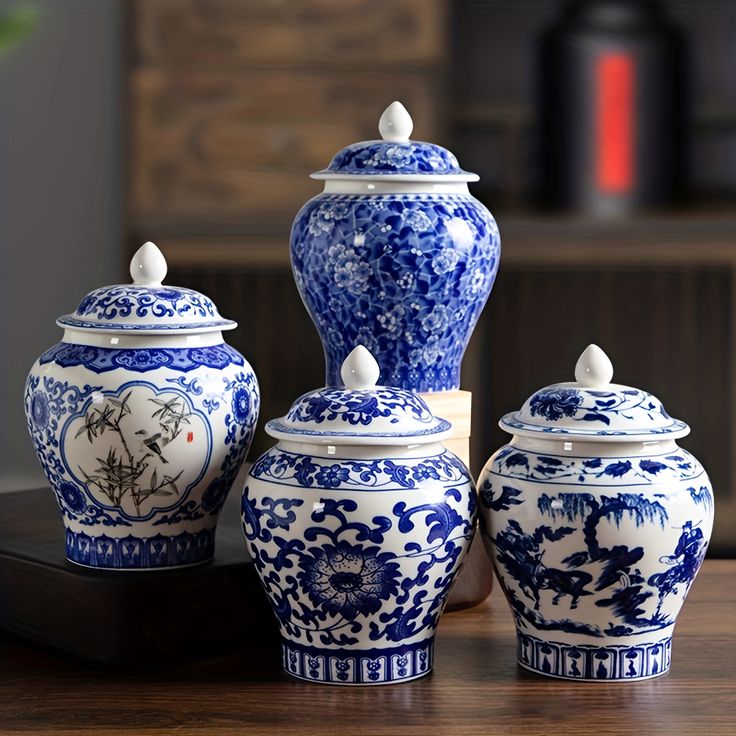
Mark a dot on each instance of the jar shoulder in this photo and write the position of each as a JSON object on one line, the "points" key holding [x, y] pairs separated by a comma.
{"points": [[70, 358], [322, 472], [325, 211], [619, 466]]}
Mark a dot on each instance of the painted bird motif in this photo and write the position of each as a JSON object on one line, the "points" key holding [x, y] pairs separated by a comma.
{"points": [[154, 443]]}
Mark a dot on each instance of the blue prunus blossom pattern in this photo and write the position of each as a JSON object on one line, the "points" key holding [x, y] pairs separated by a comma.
{"points": [[394, 157], [405, 275]]}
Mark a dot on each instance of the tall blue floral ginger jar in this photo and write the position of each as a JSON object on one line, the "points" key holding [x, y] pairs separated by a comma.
{"points": [[358, 521], [395, 254], [597, 523], [141, 417]]}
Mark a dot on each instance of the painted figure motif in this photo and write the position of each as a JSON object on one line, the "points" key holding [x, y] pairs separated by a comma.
{"points": [[597, 523]]}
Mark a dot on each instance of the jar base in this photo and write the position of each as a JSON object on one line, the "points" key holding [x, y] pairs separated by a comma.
{"points": [[358, 667], [140, 553], [590, 663]]}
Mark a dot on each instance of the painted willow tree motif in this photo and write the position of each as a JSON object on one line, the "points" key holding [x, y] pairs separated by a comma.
{"points": [[619, 581]]}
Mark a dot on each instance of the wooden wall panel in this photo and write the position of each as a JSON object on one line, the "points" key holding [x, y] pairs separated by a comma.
{"points": [[234, 102], [242, 145], [194, 34]]}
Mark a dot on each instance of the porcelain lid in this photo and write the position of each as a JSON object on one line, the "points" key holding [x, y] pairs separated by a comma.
{"points": [[361, 413], [594, 409], [146, 305], [395, 157]]}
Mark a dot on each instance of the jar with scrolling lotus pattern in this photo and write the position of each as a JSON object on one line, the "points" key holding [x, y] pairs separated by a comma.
{"points": [[141, 418], [597, 523], [357, 521], [395, 254]]}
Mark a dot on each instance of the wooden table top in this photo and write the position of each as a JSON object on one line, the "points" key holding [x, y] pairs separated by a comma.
{"points": [[476, 688]]}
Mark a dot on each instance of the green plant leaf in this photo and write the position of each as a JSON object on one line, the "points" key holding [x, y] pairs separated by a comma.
{"points": [[15, 25]]}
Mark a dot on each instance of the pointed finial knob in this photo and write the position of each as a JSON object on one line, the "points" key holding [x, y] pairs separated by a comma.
{"points": [[594, 368], [148, 266], [359, 369], [395, 123]]}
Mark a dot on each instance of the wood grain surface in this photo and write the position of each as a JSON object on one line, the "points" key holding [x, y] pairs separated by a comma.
{"points": [[233, 103], [476, 688]]}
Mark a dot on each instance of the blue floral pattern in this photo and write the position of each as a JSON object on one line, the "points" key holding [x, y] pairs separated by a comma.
{"points": [[240, 431], [291, 468], [58, 400], [360, 408], [214, 495], [405, 275], [40, 409], [622, 411], [554, 404], [122, 301], [347, 582], [73, 497], [241, 404], [102, 360], [448, 530], [394, 157]]}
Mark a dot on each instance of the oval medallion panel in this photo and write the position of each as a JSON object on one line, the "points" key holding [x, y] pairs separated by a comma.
{"points": [[135, 445]]}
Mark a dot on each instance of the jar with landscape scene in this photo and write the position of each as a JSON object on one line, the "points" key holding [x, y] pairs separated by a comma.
{"points": [[597, 523]]}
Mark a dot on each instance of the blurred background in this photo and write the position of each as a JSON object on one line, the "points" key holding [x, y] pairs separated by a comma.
{"points": [[195, 124]]}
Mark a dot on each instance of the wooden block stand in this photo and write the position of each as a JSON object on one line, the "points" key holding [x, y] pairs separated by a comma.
{"points": [[129, 619], [475, 580]]}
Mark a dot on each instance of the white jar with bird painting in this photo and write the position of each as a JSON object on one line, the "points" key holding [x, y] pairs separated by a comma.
{"points": [[141, 418]]}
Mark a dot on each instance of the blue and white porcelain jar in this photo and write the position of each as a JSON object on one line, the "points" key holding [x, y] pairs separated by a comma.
{"points": [[358, 521], [396, 255], [141, 417], [597, 523]]}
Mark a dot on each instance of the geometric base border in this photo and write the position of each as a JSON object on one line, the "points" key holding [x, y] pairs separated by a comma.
{"points": [[358, 667], [137, 553], [594, 663]]}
